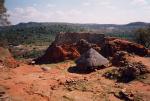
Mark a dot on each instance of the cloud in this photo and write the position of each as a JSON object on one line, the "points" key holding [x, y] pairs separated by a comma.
{"points": [[51, 5], [139, 2], [86, 4], [88, 11], [107, 4], [28, 14]]}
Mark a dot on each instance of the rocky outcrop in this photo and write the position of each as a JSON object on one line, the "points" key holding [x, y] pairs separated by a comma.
{"points": [[69, 46], [56, 54], [70, 38], [112, 45]]}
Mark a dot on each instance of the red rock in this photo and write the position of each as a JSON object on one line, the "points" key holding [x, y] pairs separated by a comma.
{"points": [[112, 45], [56, 54]]}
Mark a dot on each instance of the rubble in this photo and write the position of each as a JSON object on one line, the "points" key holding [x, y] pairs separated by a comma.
{"points": [[125, 95], [128, 72], [120, 58], [113, 45]]}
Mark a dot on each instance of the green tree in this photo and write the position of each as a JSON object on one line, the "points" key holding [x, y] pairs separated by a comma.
{"points": [[3, 15], [143, 36]]}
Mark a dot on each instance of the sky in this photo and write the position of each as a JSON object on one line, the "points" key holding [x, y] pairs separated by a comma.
{"points": [[79, 11]]}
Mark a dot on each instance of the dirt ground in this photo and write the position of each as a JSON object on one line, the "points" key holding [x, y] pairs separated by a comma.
{"points": [[60, 82]]}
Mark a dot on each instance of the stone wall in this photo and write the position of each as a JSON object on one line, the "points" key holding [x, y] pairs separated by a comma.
{"points": [[69, 38]]}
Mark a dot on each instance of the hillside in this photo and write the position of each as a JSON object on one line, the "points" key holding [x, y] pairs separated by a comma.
{"points": [[44, 33], [34, 33]]}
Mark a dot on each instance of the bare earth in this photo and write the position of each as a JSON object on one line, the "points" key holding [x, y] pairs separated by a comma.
{"points": [[57, 82]]}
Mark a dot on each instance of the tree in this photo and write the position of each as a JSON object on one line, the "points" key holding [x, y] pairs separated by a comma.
{"points": [[143, 36], [3, 15]]}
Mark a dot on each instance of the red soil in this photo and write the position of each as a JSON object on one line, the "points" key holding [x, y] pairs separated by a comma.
{"points": [[31, 83]]}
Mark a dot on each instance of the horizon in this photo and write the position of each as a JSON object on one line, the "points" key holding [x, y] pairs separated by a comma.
{"points": [[85, 23], [79, 11]]}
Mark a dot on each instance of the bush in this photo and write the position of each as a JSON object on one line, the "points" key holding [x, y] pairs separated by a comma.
{"points": [[143, 36]]}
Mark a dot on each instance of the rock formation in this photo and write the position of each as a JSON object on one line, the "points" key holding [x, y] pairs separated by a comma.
{"points": [[69, 46], [112, 45], [70, 38], [56, 54]]}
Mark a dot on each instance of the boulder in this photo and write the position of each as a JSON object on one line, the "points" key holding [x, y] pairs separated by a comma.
{"points": [[91, 60]]}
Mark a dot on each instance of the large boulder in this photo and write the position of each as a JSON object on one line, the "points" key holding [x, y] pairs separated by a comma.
{"points": [[91, 60]]}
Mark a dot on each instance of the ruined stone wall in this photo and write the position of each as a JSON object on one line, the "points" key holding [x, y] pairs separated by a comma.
{"points": [[69, 38]]}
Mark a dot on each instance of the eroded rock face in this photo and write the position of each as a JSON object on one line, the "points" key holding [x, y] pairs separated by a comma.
{"points": [[69, 46], [70, 38], [113, 45], [56, 54]]}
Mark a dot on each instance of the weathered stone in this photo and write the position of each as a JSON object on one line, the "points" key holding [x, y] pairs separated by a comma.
{"points": [[91, 60], [70, 38]]}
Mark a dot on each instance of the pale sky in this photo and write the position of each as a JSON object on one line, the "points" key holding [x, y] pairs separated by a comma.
{"points": [[79, 11]]}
